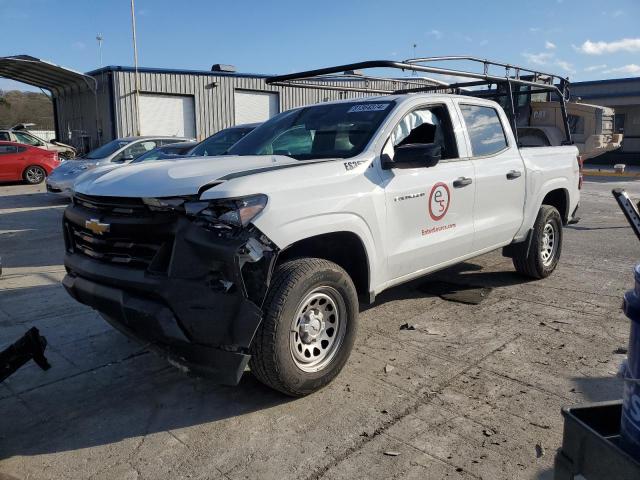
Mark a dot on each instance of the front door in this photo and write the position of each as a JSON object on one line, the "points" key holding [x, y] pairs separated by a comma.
{"points": [[500, 177], [429, 209], [10, 162]]}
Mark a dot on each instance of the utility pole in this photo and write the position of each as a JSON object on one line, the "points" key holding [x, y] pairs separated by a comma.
{"points": [[135, 63], [100, 38]]}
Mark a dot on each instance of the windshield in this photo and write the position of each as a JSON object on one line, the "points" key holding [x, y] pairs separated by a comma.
{"points": [[339, 130], [220, 142], [106, 149], [163, 153]]}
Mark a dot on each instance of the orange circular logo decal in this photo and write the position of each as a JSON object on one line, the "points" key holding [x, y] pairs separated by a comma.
{"points": [[439, 199]]}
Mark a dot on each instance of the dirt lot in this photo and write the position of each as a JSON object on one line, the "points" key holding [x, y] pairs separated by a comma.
{"points": [[472, 392]]}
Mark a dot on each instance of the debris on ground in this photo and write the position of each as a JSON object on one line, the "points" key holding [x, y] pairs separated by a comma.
{"points": [[487, 432], [391, 453], [388, 368], [469, 294], [620, 351], [406, 326], [540, 451]]}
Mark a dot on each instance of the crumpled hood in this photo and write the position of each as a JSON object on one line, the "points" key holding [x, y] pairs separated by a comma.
{"points": [[167, 178]]}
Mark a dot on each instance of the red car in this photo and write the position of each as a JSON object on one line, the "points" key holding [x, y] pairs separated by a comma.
{"points": [[22, 162]]}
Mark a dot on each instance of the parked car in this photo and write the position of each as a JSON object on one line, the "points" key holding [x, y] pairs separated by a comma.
{"points": [[119, 151], [220, 142], [20, 134], [260, 257], [23, 162]]}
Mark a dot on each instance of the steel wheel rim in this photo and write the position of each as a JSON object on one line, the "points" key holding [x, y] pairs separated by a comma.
{"points": [[317, 330], [34, 175], [549, 244]]}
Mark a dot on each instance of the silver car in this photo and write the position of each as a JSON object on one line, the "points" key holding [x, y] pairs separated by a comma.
{"points": [[118, 151]]}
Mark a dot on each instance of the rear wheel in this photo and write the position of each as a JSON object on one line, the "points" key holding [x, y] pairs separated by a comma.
{"points": [[34, 175], [539, 257], [308, 329]]}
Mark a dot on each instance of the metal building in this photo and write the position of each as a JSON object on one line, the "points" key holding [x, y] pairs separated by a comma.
{"points": [[93, 108], [623, 95]]}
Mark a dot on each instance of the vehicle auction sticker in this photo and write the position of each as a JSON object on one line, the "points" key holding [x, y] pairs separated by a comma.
{"points": [[439, 200]]}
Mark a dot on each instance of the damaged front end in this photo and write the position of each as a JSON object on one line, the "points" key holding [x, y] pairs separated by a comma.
{"points": [[186, 276]]}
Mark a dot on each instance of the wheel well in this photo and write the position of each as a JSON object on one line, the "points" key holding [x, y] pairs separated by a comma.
{"points": [[343, 248], [558, 199]]}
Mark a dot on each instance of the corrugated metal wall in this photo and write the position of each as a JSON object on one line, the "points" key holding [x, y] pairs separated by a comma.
{"points": [[86, 121], [213, 96]]}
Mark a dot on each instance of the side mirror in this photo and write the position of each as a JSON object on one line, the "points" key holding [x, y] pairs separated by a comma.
{"points": [[415, 155], [125, 158]]}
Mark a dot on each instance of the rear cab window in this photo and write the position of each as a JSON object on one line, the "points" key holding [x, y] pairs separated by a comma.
{"points": [[485, 130]]}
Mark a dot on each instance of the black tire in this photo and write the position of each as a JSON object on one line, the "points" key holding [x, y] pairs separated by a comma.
{"points": [[530, 261], [34, 175], [272, 351]]}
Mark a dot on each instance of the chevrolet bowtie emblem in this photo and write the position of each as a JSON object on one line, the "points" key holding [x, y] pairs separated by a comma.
{"points": [[96, 227]]}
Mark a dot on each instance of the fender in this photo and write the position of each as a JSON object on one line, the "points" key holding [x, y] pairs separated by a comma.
{"points": [[533, 206], [286, 234]]}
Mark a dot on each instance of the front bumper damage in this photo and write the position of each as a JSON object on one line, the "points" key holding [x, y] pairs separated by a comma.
{"points": [[197, 300]]}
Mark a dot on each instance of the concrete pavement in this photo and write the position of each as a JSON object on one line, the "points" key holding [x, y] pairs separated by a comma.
{"points": [[472, 392]]}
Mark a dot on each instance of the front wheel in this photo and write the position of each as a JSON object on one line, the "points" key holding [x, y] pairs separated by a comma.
{"points": [[34, 175], [308, 329], [541, 257]]}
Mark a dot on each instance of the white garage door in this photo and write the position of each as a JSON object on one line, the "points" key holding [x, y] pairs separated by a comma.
{"points": [[171, 115], [251, 107]]}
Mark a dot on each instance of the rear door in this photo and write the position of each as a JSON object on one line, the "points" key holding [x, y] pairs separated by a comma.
{"points": [[500, 175], [429, 209]]}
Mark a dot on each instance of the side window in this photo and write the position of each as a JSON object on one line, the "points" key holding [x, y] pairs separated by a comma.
{"points": [[7, 149], [485, 130], [5, 136], [28, 139], [425, 125], [297, 141]]}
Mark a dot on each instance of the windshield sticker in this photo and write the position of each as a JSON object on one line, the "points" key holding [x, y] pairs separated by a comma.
{"points": [[368, 107]]}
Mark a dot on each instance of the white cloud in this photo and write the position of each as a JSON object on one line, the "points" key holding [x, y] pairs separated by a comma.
{"points": [[542, 58], [566, 66], [549, 45], [631, 69], [598, 48], [436, 33], [78, 45], [594, 68], [534, 29], [548, 58]]}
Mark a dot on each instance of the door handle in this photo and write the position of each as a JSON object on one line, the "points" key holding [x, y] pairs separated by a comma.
{"points": [[462, 182], [513, 174]]}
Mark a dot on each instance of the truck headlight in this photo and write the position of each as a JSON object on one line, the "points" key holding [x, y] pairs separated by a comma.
{"points": [[236, 212]]}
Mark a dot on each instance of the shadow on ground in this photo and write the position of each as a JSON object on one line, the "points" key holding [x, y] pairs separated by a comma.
{"points": [[126, 399], [466, 275]]}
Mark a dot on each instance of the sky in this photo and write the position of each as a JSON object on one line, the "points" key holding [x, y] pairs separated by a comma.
{"points": [[582, 39]]}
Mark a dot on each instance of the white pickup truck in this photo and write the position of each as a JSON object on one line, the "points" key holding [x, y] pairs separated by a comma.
{"points": [[260, 257]]}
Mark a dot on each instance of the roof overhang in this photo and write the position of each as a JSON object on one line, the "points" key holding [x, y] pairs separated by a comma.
{"points": [[43, 74]]}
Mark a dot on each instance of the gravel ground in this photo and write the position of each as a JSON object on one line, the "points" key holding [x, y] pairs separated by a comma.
{"points": [[474, 391]]}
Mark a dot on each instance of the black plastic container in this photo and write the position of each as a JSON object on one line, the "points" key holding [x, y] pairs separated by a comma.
{"points": [[591, 444]]}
